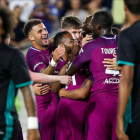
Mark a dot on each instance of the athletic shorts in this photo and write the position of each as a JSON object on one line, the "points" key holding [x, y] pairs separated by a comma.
{"points": [[102, 121], [70, 128], [48, 124]]}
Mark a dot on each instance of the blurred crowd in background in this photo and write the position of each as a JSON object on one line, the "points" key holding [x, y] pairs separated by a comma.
{"points": [[51, 12]]}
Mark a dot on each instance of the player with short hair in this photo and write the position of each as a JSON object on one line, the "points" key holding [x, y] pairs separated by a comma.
{"points": [[13, 75], [39, 59], [66, 114], [128, 118], [73, 25], [104, 98]]}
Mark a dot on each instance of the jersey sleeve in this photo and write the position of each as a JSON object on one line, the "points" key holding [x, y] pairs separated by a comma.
{"points": [[19, 71], [84, 57], [90, 77], [36, 63], [126, 50]]}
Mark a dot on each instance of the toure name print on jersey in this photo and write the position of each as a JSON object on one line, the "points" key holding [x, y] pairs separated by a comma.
{"points": [[108, 50]]}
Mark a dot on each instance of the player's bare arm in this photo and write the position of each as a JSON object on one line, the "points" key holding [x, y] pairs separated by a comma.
{"points": [[77, 94], [43, 78], [33, 134], [125, 86], [56, 86], [72, 70]]}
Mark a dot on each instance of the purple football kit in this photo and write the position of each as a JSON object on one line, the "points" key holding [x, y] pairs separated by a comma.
{"points": [[103, 100], [71, 114], [46, 104]]}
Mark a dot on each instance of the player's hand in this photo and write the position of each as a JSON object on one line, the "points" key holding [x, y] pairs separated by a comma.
{"points": [[58, 53], [41, 90], [61, 92], [120, 130], [33, 134], [86, 39], [111, 64], [65, 80]]}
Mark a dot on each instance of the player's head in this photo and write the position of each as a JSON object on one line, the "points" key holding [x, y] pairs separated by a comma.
{"points": [[6, 22], [132, 6], [64, 39], [87, 27], [73, 25], [36, 31], [101, 21]]}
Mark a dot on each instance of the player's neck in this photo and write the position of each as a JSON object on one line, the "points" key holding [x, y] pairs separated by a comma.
{"points": [[106, 32], [38, 47], [133, 18]]}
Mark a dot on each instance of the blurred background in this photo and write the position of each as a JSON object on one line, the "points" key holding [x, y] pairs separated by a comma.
{"points": [[56, 9]]}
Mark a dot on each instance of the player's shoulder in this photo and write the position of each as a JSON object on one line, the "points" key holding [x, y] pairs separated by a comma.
{"points": [[91, 44], [130, 31], [33, 52]]}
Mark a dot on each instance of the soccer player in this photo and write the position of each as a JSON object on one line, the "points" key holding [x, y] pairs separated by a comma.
{"points": [[67, 42], [13, 75], [65, 117], [73, 25], [87, 33], [104, 93], [128, 118], [38, 58]]}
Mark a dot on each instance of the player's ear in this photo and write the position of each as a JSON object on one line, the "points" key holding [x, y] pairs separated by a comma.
{"points": [[31, 37], [61, 45], [125, 8], [98, 26]]}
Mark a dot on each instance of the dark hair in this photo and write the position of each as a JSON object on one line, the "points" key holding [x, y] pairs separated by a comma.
{"points": [[30, 24], [7, 18], [58, 38], [70, 22], [103, 18], [133, 6]]}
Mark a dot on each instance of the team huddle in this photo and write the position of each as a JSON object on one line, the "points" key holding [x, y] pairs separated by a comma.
{"points": [[92, 95], [86, 106]]}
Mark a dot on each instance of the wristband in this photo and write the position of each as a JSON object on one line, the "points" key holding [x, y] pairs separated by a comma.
{"points": [[53, 63], [32, 123]]}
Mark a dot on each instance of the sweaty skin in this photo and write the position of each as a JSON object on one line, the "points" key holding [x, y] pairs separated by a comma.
{"points": [[77, 94]]}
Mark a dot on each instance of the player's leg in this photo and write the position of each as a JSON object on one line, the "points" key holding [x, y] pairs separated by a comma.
{"points": [[48, 124], [99, 121], [21, 134], [77, 126], [42, 104], [114, 121], [63, 131]]}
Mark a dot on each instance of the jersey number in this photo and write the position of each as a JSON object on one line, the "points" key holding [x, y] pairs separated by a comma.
{"points": [[73, 80]]}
